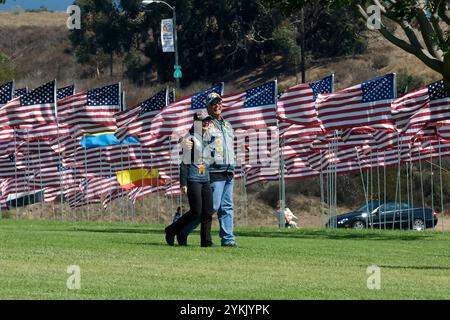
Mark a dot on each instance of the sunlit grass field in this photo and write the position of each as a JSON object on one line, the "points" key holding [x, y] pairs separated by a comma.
{"points": [[125, 261]]}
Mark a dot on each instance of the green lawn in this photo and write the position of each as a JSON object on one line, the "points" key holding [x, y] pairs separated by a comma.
{"points": [[124, 261]]}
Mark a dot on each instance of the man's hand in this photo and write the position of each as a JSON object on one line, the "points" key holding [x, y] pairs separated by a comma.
{"points": [[184, 190], [186, 143]]}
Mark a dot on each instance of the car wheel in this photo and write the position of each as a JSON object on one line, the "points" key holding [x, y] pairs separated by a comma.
{"points": [[358, 225], [418, 225]]}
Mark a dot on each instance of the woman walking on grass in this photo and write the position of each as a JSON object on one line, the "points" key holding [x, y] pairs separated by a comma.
{"points": [[194, 181]]}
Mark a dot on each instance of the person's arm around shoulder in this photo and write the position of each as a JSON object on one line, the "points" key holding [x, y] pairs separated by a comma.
{"points": [[183, 177], [186, 143]]}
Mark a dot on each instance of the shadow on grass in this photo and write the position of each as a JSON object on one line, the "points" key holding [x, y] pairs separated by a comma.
{"points": [[295, 234], [121, 230], [335, 235], [156, 244], [416, 267]]}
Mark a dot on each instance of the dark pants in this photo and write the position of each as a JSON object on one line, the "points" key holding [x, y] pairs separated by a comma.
{"points": [[223, 205], [201, 208]]}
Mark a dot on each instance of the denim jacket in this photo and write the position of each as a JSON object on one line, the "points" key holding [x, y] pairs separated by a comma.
{"points": [[196, 167], [223, 147]]}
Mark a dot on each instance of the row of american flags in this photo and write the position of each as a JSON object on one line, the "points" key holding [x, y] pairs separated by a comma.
{"points": [[45, 134]]}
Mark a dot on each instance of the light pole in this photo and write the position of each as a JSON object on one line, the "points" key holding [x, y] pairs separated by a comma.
{"points": [[146, 2]]}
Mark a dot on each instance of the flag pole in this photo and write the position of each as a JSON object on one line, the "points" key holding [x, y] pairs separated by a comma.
{"points": [[421, 182], [432, 189], [119, 198], [411, 187], [441, 185], [244, 177], [379, 189], [371, 185], [55, 95], [384, 184], [133, 217], [15, 171], [109, 184], [86, 180], [110, 197], [171, 181], [30, 174], [282, 188], [362, 180], [322, 211], [142, 181], [408, 195], [27, 172], [40, 165]]}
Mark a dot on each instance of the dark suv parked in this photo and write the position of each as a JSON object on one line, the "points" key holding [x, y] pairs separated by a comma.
{"points": [[390, 215]]}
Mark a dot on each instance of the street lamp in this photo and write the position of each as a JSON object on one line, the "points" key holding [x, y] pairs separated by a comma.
{"points": [[146, 2]]}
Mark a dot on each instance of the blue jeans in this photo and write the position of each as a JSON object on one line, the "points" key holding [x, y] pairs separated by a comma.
{"points": [[223, 205]]}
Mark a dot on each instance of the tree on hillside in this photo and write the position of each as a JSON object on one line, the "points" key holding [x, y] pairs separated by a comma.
{"points": [[214, 37], [315, 27], [425, 25], [99, 38], [7, 69]]}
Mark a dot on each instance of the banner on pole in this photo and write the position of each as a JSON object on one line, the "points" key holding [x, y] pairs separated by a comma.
{"points": [[167, 38]]}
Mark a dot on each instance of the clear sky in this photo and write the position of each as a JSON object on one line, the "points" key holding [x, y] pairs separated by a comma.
{"points": [[54, 5]]}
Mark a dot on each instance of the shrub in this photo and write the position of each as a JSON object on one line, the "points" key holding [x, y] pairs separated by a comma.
{"points": [[408, 82], [285, 42], [380, 61], [7, 69]]}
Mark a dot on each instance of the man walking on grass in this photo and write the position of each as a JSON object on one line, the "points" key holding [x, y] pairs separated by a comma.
{"points": [[221, 174]]}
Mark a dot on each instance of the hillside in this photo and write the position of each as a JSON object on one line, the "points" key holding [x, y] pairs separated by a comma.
{"points": [[38, 45]]}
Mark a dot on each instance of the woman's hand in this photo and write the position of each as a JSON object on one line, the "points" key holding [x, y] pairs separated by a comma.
{"points": [[184, 190], [186, 143]]}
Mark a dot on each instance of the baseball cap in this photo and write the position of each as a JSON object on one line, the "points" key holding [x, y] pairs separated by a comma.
{"points": [[201, 115], [212, 97]]}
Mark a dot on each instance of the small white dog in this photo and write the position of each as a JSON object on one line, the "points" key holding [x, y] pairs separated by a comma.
{"points": [[289, 217]]}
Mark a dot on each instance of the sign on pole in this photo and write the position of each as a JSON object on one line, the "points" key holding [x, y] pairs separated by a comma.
{"points": [[167, 38]]}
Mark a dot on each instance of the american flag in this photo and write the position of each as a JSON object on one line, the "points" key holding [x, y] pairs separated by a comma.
{"points": [[40, 131], [107, 160], [99, 187], [443, 129], [56, 177], [363, 105], [6, 133], [91, 111], [427, 104], [298, 168], [297, 106], [6, 92], [80, 199], [35, 107], [7, 147], [137, 119], [177, 118], [102, 161], [15, 185], [20, 92], [171, 97], [8, 166], [117, 194], [161, 132], [259, 174], [252, 109], [35, 156], [65, 92], [3, 201]]}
